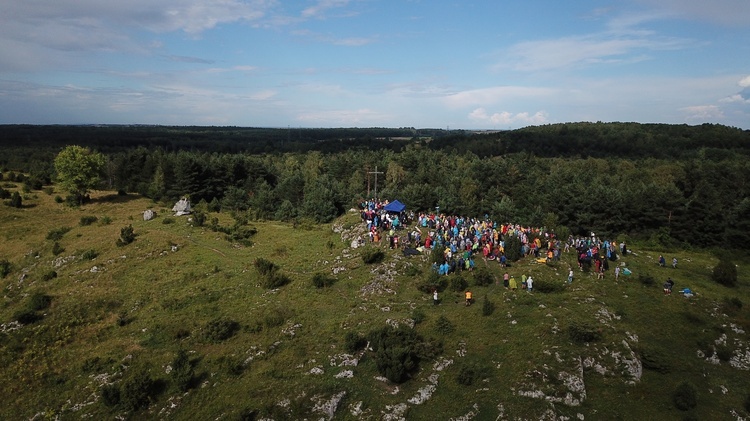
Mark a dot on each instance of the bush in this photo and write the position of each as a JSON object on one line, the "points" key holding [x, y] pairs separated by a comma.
{"points": [[15, 200], [269, 272], [725, 273], [89, 254], [548, 286], [110, 395], [646, 280], [469, 373], [49, 275], [57, 233], [136, 390], [443, 326], [458, 283], [412, 271], [513, 248], [27, 316], [724, 353], [5, 268], [182, 371], [436, 255], [57, 248], [371, 255], [483, 277], [418, 316], [4, 194], [396, 352], [87, 220], [433, 282], [264, 267], [582, 333], [354, 342], [488, 307], [59, 199], [220, 329], [198, 218], [321, 280], [655, 361], [127, 236], [168, 220], [685, 396], [106, 220], [39, 301]]}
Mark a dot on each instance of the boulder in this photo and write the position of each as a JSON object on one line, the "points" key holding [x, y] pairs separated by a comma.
{"points": [[149, 215], [182, 207]]}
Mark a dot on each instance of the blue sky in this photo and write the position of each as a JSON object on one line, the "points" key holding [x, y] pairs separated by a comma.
{"points": [[374, 63]]}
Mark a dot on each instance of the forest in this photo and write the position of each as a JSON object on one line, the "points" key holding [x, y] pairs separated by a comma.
{"points": [[675, 185]]}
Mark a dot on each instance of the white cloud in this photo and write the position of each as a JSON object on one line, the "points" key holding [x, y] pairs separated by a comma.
{"points": [[736, 98], [722, 12], [480, 115], [745, 82], [702, 113], [321, 7], [495, 95]]}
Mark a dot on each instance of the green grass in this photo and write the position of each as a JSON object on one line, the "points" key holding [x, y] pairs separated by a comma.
{"points": [[146, 302]]}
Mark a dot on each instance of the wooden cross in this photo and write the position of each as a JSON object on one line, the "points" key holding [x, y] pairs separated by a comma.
{"points": [[376, 172]]}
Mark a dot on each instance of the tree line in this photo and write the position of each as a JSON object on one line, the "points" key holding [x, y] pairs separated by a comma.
{"points": [[671, 184]]}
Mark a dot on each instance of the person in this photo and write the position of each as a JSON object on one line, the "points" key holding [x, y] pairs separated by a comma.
{"points": [[570, 276], [529, 284], [674, 263], [506, 280], [617, 273], [468, 298], [662, 262], [434, 297], [513, 284], [668, 286]]}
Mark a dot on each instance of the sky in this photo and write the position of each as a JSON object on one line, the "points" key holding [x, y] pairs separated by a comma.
{"points": [[475, 65]]}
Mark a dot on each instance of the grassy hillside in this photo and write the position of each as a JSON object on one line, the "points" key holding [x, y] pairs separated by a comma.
{"points": [[177, 325]]}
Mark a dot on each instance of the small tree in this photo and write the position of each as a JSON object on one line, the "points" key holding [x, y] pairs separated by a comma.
{"points": [[78, 170], [513, 248], [127, 236], [15, 200], [725, 272]]}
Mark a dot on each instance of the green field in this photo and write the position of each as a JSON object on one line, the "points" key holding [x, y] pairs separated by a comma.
{"points": [[102, 320]]}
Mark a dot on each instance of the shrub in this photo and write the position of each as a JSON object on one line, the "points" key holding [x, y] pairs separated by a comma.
{"points": [[220, 329], [725, 273], [49, 275], [354, 342], [127, 236], [59, 199], [39, 301], [105, 220], [372, 255], [89, 254], [468, 373], [15, 200], [87, 220], [396, 352], [182, 371], [432, 282], [582, 333], [168, 220], [136, 390], [5, 268], [4, 194], [321, 280], [646, 280], [27, 316], [655, 361], [418, 316], [57, 233], [482, 277], [458, 283], [198, 219], [488, 307], [231, 365], [412, 271], [57, 248], [443, 326], [724, 353], [48, 191], [548, 286], [685, 396], [436, 255], [512, 248], [265, 267], [110, 395]]}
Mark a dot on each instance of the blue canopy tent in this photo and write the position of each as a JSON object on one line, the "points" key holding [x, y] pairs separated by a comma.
{"points": [[395, 206]]}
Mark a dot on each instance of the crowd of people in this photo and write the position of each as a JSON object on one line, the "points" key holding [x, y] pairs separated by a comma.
{"points": [[464, 238]]}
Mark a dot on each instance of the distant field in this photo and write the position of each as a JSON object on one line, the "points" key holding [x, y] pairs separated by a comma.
{"points": [[116, 318]]}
